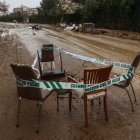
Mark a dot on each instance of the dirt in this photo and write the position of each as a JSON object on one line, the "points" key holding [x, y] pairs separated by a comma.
{"points": [[21, 47]]}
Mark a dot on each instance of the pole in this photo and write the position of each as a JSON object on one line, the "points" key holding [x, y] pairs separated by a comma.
{"points": [[16, 53], [61, 62]]}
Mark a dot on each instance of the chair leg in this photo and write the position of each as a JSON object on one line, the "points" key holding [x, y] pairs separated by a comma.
{"points": [[57, 101], [99, 101], [37, 103], [85, 111], [70, 100], [39, 117], [51, 64], [133, 93], [130, 100], [105, 107], [18, 111], [92, 102]]}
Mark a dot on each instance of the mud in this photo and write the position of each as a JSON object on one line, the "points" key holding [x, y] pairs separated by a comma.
{"points": [[21, 46]]}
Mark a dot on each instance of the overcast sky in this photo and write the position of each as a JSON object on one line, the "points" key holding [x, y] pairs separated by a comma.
{"points": [[17, 3]]}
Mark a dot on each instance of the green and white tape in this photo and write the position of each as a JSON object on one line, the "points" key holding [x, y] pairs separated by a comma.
{"points": [[93, 60], [65, 85], [98, 61], [86, 87], [35, 61]]}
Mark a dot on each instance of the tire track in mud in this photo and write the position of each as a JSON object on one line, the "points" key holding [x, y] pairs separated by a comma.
{"points": [[74, 45], [97, 49], [116, 42], [102, 50], [116, 39]]}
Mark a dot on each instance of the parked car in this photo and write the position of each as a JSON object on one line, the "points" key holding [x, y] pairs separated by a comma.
{"points": [[88, 27], [78, 27], [64, 25], [15, 21], [36, 27]]}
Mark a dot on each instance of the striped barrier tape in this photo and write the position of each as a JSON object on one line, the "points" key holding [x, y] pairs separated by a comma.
{"points": [[66, 85], [93, 60], [86, 87], [98, 61], [35, 61], [110, 82]]}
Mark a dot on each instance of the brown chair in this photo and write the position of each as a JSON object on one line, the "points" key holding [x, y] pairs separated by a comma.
{"points": [[47, 55], [25, 72], [127, 83], [92, 76]]}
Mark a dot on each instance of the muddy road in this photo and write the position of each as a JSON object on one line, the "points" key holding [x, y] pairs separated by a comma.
{"points": [[100, 46], [65, 125]]}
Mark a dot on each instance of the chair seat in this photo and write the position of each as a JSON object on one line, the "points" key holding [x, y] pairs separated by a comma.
{"points": [[81, 92], [122, 84], [52, 74]]}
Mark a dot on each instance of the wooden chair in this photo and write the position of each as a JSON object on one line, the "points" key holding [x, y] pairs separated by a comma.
{"points": [[25, 72], [92, 76], [128, 83]]}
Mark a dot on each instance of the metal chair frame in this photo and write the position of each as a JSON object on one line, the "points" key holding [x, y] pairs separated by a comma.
{"points": [[25, 72], [55, 74], [128, 83]]}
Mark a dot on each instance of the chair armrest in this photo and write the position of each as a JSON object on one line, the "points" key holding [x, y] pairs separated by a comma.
{"points": [[71, 79]]}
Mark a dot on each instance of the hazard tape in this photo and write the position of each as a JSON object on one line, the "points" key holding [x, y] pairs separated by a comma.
{"points": [[93, 60], [97, 61], [35, 61], [65, 85], [86, 87], [109, 82]]}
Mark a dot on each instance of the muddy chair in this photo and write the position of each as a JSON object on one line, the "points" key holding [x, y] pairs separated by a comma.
{"points": [[128, 83], [47, 55], [25, 72], [92, 76], [52, 74]]}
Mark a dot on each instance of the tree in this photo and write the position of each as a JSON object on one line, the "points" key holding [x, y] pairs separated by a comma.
{"points": [[82, 2], [3, 7], [51, 10], [135, 16]]}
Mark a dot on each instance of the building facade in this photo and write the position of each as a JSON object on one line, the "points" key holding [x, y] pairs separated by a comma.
{"points": [[26, 10]]}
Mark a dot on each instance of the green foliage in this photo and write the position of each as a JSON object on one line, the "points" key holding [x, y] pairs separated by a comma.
{"points": [[3, 7], [111, 14], [51, 10], [135, 16], [82, 2]]}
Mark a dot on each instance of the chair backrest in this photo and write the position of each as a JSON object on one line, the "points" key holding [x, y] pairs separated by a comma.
{"points": [[47, 54], [135, 64], [136, 61], [94, 76], [25, 72]]}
